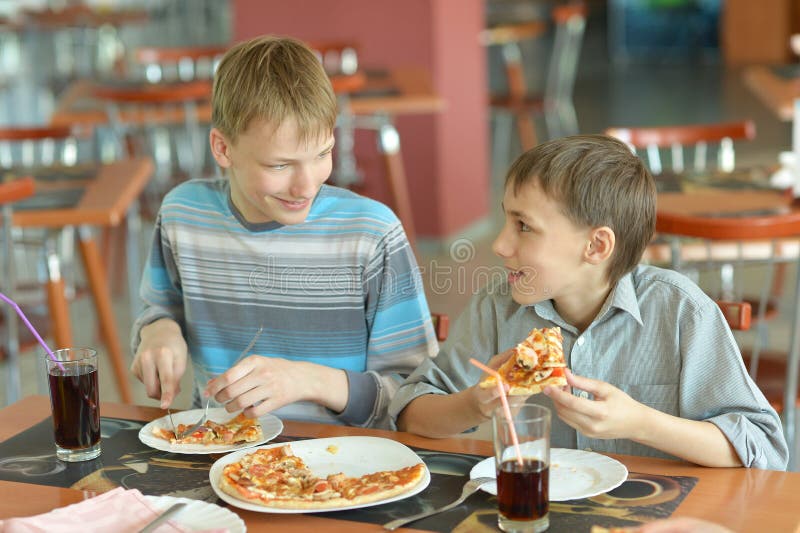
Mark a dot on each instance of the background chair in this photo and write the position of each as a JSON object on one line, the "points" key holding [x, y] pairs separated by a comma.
{"points": [[11, 191], [519, 103], [777, 378], [170, 64], [711, 150], [160, 121], [61, 159]]}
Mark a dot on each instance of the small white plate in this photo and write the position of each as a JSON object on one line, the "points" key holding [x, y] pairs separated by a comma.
{"points": [[354, 456], [270, 425], [199, 515], [574, 474]]}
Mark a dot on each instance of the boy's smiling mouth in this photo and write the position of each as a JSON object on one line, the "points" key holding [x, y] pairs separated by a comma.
{"points": [[293, 205], [514, 276]]}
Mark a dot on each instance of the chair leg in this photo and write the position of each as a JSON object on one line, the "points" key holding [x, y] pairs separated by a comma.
{"points": [[98, 284], [389, 146], [57, 299], [526, 128], [501, 142]]}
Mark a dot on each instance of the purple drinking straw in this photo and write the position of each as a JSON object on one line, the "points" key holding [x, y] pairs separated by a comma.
{"points": [[30, 327]]}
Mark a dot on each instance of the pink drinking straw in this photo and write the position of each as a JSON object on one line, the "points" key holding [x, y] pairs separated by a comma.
{"points": [[30, 327], [504, 401]]}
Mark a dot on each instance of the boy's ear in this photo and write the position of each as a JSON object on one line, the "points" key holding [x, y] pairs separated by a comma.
{"points": [[220, 148], [600, 246]]}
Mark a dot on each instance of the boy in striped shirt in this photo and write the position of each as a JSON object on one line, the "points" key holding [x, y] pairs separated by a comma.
{"points": [[328, 274]]}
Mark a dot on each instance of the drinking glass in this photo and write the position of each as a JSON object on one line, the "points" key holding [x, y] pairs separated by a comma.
{"points": [[74, 400], [523, 469]]}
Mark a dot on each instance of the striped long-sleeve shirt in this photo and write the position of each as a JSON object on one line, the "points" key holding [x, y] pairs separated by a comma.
{"points": [[658, 337], [341, 289]]}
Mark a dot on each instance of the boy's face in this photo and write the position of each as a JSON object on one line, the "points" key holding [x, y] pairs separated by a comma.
{"points": [[541, 248], [274, 176]]}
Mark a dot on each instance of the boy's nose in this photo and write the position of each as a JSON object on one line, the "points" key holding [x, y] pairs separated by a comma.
{"points": [[501, 245], [303, 184]]}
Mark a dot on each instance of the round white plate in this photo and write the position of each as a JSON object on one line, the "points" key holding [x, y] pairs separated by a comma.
{"points": [[199, 515], [354, 456], [574, 474], [270, 425]]}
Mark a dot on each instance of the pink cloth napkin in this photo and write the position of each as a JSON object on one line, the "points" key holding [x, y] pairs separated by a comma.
{"points": [[117, 511]]}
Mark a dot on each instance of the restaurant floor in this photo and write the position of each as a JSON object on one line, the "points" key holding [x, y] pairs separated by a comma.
{"points": [[636, 94]]}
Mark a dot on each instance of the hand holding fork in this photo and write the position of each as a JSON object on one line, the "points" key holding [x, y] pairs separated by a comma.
{"points": [[204, 418]]}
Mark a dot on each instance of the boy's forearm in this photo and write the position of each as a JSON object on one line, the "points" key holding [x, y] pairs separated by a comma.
{"points": [[162, 325], [699, 442], [330, 387], [440, 415]]}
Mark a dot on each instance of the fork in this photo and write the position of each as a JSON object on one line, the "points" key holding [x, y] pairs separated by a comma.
{"points": [[203, 418], [469, 488]]}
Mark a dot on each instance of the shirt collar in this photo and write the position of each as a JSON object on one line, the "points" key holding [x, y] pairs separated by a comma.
{"points": [[622, 297]]}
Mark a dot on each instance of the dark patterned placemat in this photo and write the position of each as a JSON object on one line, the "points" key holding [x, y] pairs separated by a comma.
{"points": [[30, 458]]}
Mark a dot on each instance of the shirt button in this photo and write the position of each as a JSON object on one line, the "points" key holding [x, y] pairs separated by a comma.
{"points": [[580, 341]]}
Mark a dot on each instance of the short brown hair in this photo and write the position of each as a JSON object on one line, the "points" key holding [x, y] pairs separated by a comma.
{"points": [[597, 181], [272, 79]]}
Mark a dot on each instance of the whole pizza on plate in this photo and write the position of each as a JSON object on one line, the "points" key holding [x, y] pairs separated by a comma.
{"points": [[276, 477]]}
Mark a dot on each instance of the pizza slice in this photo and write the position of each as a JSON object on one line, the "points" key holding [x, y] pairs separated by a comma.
{"points": [[537, 361], [237, 430]]}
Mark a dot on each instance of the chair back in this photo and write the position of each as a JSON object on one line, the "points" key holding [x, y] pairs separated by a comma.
{"points": [[737, 314], [161, 121], [10, 191], [29, 146], [705, 142], [171, 64]]}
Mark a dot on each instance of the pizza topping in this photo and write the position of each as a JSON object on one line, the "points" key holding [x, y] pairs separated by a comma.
{"points": [[538, 361], [276, 477], [235, 431]]}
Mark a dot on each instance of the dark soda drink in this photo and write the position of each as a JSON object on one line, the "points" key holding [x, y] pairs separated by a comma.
{"points": [[75, 401], [522, 489]]}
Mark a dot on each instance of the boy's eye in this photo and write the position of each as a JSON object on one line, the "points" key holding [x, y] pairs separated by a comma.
{"points": [[277, 167], [523, 226], [325, 153]]}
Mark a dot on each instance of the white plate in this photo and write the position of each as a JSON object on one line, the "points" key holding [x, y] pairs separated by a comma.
{"points": [[574, 474], [270, 425], [355, 456], [199, 515]]}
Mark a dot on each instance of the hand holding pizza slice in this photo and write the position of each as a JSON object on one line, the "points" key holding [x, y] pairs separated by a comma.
{"points": [[537, 362]]}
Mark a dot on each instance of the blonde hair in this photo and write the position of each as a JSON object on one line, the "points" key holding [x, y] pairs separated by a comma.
{"points": [[272, 79], [597, 181]]}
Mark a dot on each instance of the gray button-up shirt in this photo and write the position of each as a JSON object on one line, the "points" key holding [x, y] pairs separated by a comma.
{"points": [[658, 337]]}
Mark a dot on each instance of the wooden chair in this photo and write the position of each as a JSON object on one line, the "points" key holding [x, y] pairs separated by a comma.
{"points": [[56, 152], [555, 102], [171, 64], [711, 149], [10, 192], [441, 326], [702, 140], [160, 121], [340, 60], [769, 374]]}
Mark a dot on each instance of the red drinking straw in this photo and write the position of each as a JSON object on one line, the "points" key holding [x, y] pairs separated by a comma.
{"points": [[30, 327], [504, 401]]}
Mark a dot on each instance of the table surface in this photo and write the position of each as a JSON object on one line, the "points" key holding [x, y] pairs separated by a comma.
{"points": [[742, 499], [400, 91], [108, 190]]}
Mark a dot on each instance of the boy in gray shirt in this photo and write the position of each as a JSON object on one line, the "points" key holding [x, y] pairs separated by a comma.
{"points": [[655, 369]]}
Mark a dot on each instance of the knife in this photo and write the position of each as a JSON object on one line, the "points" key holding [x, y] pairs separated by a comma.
{"points": [[160, 519]]}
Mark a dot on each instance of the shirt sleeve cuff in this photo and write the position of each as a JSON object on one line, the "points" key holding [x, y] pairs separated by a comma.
{"points": [[361, 402]]}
